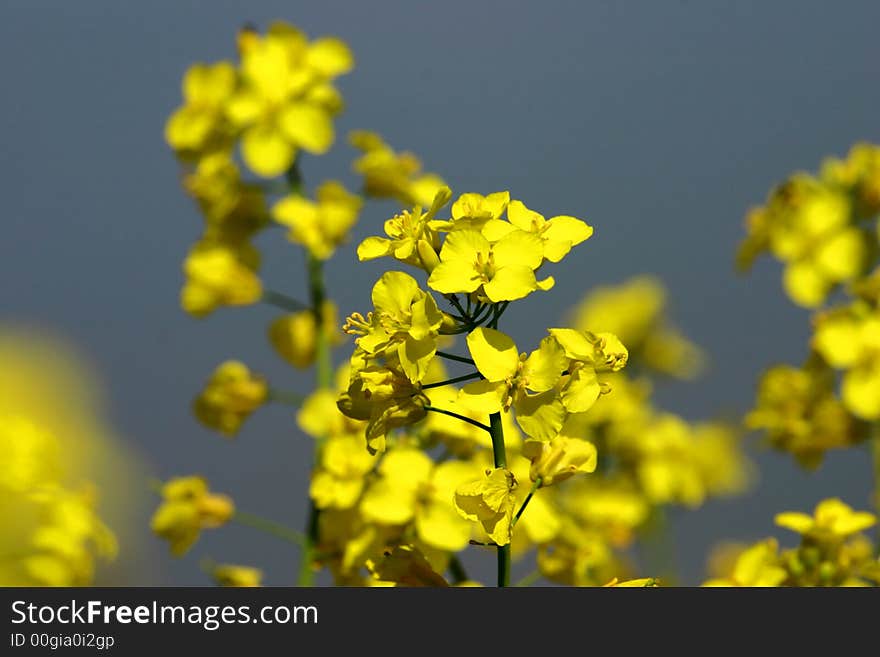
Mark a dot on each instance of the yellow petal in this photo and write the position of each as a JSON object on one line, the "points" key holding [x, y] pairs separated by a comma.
{"points": [[454, 276], [540, 416], [581, 391], [483, 396], [860, 390], [329, 56], [518, 248], [465, 247], [374, 247], [386, 503], [799, 522], [440, 526], [511, 283], [308, 126], [524, 218], [494, 353], [544, 366], [266, 151]]}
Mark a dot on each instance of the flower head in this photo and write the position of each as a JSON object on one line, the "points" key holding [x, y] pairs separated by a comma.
{"points": [[187, 508], [489, 500], [232, 393]]}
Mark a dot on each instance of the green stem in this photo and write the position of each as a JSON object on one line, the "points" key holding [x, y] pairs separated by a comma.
{"points": [[456, 569], [279, 300], [529, 579], [324, 367], [285, 397], [458, 379], [268, 526], [875, 458], [657, 547], [535, 486], [463, 418], [458, 359], [496, 430]]}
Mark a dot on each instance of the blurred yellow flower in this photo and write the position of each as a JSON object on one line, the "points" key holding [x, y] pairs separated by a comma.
{"points": [[232, 393], [323, 224], [635, 312], [832, 520], [388, 174], [65, 480], [187, 508], [286, 101], [234, 575], [219, 274]]}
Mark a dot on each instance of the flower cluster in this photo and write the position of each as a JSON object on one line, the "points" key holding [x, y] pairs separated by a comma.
{"points": [[53, 492], [556, 452], [833, 552], [826, 229]]}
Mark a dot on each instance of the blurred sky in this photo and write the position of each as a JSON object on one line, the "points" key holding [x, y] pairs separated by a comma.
{"points": [[660, 123]]}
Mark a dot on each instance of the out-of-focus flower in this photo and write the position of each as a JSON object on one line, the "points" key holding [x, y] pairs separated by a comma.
{"points": [[187, 508], [323, 224], [65, 480], [294, 336], [389, 174], [286, 100], [234, 575], [405, 565], [756, 566], [801, 414], [635, 311], [232, 393], [200, 125], [219, 274], [832, 520]]}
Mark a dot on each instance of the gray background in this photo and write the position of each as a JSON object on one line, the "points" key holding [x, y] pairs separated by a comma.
{"points": [[658, 122]]}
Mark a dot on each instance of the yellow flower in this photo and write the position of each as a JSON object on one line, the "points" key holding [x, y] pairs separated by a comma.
{"points": [[65, 480], [411, 488], [320, 417], [233, 575], [642, 582], [286, 102], [294, 336], [383, 396], [512, 379], [218, 274], [319, 225], [234, 211], [503, 271], [200, 124], [406, 321], [801, 414], [755, 566], [589, 353], [405, 565], [808, 224], [559, 458], [410, 238], [661, 454], [849, 339], [474, 210], [832, 520], [340, 476], [558, 234], [634, 311], [232, 393], [187, 508], [388, 174], [489, 501]]}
